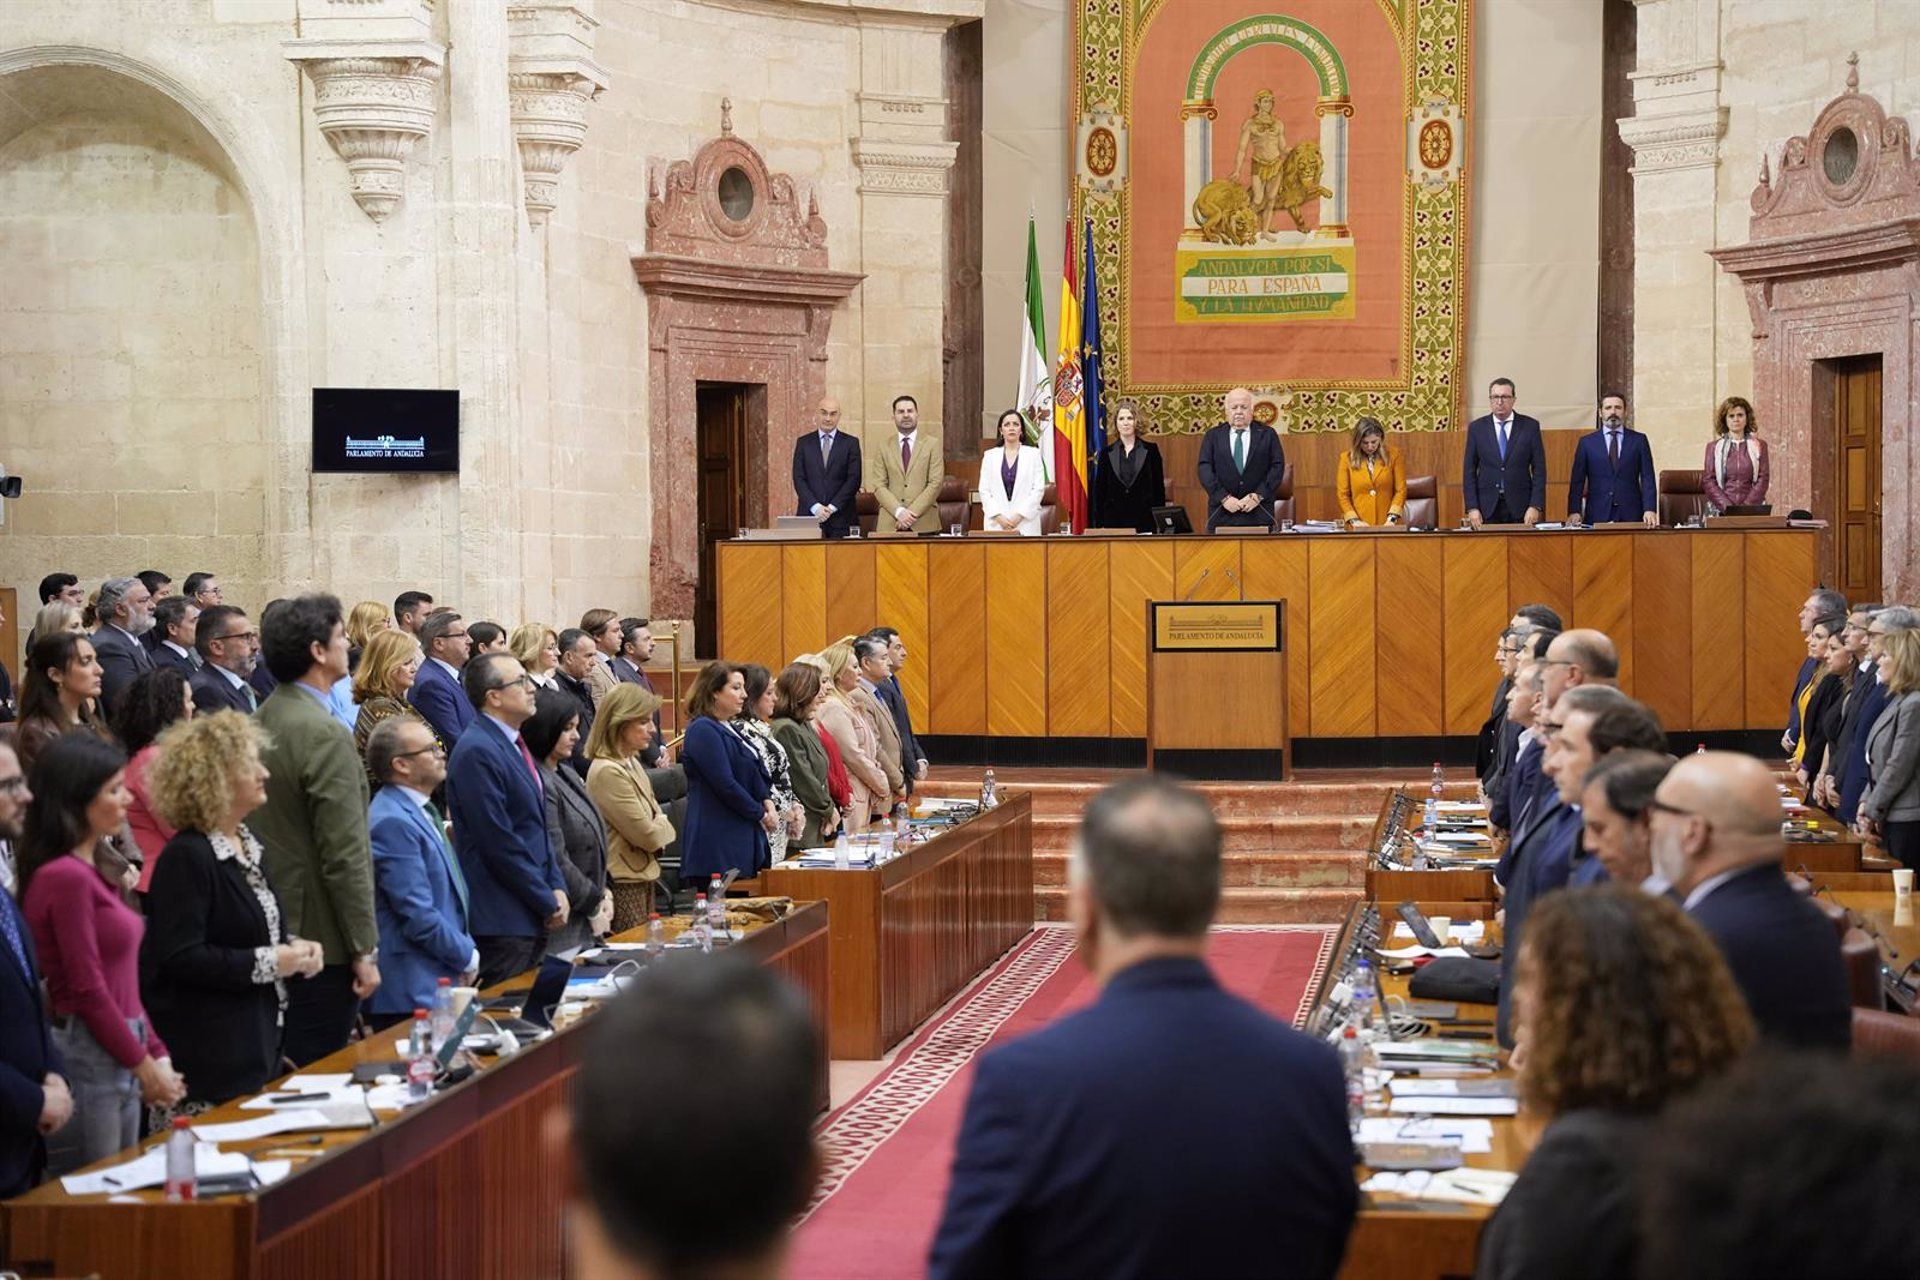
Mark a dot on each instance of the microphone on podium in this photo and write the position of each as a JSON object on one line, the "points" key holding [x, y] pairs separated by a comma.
{"points": [[1204, 575]]}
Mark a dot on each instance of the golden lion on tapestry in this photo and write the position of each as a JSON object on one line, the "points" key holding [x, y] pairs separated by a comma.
{"points": [[1224, 210]]}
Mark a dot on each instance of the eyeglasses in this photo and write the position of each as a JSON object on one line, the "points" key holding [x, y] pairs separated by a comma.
{"points": [[454, 635], [239, 635], [16, 783], [1657, 805], [432, 748], [524, 682]]}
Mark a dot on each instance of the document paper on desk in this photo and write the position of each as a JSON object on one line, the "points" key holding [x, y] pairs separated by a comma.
{"points": [[1475, 1137], [150, 1170], [1459, 1105]]}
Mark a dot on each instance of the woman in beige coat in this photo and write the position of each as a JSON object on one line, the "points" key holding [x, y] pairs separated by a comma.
{"points": [[854, 734], [638, 830]]}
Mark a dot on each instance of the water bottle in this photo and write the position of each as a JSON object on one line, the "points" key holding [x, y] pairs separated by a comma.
{"points": [[1432, 818], [900, 822], [1366, 995], [842, 851], [702, 923], [989, 794], [888, 843], [1439, 788], [420, 1064], [183, 1182], [1700, 749], [717, 911], [656, 936], [443, 1016], [1353, 1064]]}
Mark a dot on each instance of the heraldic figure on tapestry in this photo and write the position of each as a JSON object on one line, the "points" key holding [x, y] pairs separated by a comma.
{"points": [[1269, 178]]}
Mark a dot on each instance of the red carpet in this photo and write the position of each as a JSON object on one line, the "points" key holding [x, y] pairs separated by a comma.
{"points": [[889, 1148]]}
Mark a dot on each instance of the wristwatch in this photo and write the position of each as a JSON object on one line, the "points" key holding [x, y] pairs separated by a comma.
{"points": [[370, 956]]}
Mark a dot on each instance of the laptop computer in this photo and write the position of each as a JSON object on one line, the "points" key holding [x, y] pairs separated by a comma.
{"points": [[537, 1005]]}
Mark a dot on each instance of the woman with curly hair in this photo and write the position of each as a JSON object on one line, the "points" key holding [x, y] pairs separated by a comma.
{"points": [[217, 953], [1622, 1003]]}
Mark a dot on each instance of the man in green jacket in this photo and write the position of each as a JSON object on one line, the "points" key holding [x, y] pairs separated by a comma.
{"points": [[313, 827]]}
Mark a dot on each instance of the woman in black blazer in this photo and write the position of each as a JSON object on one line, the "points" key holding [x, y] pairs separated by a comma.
{"points": [[216, 957], [1820, 724], [1129, 482], [574, 825]]}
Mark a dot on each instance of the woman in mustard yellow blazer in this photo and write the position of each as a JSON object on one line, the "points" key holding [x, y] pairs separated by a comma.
{"points": [[1372, 478]]}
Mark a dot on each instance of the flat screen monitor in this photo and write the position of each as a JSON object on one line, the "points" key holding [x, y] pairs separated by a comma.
{"points": [[1171, 520], [385, 429]]}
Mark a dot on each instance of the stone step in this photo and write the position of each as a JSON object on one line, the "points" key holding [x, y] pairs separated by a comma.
{"points": [[1335, 870], [1241, 905]]}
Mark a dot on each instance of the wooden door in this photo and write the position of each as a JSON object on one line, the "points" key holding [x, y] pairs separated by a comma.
{"points": [[720, 481], [1856, 478]]}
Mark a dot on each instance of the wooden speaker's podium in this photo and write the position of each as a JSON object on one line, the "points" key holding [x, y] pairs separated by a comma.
{"points": [[1217, 688]]}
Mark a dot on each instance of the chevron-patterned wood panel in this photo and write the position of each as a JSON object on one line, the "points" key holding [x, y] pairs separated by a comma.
{"points": [[1137, 572], [956, 652], [1540, 571], [850, 599], [1662, 645], [1719, 617], [1017, 639], [1409, 660], [1208, 568], [749, 604], [803, 605], [1603, 592], [1781, 574], [1078, 637], [900, 600], [1342, 632], [1276, 569], [1475, 595]]}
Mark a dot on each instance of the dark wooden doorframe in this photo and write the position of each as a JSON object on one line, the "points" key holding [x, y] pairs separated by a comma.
{"points": [[1847, 437], [730, 435]]}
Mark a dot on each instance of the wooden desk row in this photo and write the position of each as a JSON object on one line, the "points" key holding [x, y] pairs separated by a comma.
{"points": [[1388, 635]]}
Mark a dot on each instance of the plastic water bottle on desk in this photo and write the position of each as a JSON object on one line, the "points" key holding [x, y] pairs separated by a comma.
{"points": [[717, 912], [443, 1018], [989, 794], [183, 1182], [420, 1063], [1353, 1064], [842, 851], [656, 936], [902, 822], [1372, 1017], [702, 924], [1439, 788]]}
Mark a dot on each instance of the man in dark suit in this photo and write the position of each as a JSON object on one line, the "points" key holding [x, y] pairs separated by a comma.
{"points": [[913, 761], [1078, 1153], [1505, 469], [436, 692], [1716, 840], [126, 614], [826, 472], [515, 892], [34, 1100], [176, 620], [313, 826], [1613, 478], [228, 647], [1486, 745], [578, 655], [1241, 467], [1823, 603]]}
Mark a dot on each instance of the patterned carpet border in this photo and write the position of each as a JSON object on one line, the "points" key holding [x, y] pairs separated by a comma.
{"points": [[942, 1050]]}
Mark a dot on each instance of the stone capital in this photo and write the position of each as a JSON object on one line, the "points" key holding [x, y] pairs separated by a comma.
{"points": [[904, 168], [373, 98], [1664, 143], [551, 77]]}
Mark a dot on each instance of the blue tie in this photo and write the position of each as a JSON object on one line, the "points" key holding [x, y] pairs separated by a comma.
{"points": [[10, 926], [1502, 427]]}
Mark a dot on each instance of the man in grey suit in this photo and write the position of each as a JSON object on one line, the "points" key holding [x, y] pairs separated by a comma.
{"points": [[125, 610]]}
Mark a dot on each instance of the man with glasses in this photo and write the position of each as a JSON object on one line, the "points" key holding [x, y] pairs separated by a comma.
{"points": [[203, 589], [228, 647], [436, 692], [515, 892], [420, 895], [1505, 469], [1716, 840]]}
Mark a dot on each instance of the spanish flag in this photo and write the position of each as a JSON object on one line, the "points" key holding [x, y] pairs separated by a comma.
{"points": [[1069, 419]]}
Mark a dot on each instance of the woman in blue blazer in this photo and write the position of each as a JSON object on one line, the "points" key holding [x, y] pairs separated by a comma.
{"points": [[729, 795]]}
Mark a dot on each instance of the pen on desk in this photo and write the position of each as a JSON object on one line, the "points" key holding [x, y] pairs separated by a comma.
{"points": [[279, 1099]]}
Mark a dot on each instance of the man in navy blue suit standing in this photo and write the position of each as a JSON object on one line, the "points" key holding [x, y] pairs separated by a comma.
{"points": [[34, 1101], [826, 472], [1505, 471], [1613, 472], [1170, 1129], [1242, 466]]}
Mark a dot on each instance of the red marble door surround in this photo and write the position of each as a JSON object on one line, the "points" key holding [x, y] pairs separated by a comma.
{"points": [[1832, 269], [738, 290]]}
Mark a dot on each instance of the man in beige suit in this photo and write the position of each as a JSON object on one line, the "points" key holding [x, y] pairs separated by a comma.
{"points": [[870, 660], [904, 473]]}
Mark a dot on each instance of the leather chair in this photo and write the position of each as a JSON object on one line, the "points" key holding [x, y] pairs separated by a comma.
{"points": [[1862, 955], [1283, 499], [1682, 495], [1879, 1034], [953, 504], [1423, 502], [866, 509], [1050, 511]]}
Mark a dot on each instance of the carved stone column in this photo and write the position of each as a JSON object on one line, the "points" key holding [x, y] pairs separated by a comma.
{"points": [[375, 67], [551, 79]]}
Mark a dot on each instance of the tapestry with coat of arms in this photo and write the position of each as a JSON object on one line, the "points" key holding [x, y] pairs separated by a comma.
{"points": [[1278, 199]]}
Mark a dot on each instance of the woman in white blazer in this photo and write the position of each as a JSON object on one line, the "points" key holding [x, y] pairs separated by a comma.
{"points": [[1011, 480]]}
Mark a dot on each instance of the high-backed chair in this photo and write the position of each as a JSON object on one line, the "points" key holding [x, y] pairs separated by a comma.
{"points": [[1879, 1034], [1682, 494], [1862, 953], [866, 509], [1050, 510], [1423, 502], [953, 504], [1283, 499]]}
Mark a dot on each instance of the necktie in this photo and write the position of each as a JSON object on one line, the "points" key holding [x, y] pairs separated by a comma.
{"points": [[1503, 441], [1613, 448], [826, 447], [253, 700], [1239, 449], [10, 928], [453, 864], [532, 768], [906, 453]]}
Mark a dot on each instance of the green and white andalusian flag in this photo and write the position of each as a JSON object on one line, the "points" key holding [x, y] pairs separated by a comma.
{"points": [[1034, 398]]}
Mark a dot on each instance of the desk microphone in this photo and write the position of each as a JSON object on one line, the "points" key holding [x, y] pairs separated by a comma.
{"points": [[1204, 575], [1231, 574]]}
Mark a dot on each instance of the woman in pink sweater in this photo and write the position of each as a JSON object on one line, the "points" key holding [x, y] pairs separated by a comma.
{"points": [[89, 945]]}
